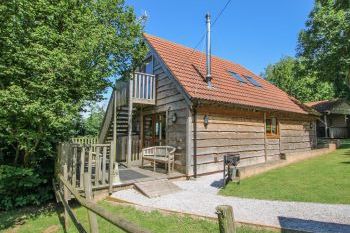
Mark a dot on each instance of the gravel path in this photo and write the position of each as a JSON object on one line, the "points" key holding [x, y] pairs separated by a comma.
{"points": [[200, 197]]}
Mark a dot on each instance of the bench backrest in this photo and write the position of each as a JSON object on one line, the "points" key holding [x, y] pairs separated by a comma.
{"points": [[158, 151]]}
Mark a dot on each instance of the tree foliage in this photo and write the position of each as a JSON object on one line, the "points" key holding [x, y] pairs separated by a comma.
{"points": [[92, 123], [22, 186], [290, 75], [324, 46], [55, 56]]}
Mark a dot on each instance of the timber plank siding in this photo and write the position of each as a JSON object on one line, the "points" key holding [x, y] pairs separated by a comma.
{"points": [[242, 131], [170, 100]]}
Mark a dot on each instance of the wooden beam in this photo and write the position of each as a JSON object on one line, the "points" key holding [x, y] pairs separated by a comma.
{"points": [[130, 124], [265, 137], [189, 149], [325, 126], [141, 128]]}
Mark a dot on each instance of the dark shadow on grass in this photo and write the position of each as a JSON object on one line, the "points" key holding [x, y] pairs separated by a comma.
{"points": [[302, 225], [18, 217], [346, 162]]}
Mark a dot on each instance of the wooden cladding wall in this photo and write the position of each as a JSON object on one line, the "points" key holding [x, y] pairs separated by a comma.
{"points": [[170, 100], [239, 131], [228, 132], [297, 135]]}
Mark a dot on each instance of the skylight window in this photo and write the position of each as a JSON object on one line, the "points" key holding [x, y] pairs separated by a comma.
{"points": [[253, 81], [237, 77]]}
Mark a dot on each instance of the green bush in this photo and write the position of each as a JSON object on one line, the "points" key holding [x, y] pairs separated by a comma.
{"points": [[22, 186]]}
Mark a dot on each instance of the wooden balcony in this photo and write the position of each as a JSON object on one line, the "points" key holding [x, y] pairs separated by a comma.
{"points": [[143, 88], [140, 88]]}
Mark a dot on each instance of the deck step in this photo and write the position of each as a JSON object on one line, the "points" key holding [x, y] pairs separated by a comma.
{"points": [[156, 188]]}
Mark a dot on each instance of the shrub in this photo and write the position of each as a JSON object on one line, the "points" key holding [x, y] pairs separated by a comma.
{"points": [[22, 186]]}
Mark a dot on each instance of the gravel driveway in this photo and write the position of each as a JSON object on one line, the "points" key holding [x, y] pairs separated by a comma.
{"points": [[200, 197]]}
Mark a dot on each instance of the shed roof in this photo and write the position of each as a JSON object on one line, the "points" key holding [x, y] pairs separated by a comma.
{"points": [[337, 106], [188, 68]]}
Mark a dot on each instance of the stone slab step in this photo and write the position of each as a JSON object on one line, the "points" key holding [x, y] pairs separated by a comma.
{"points": [[156, 188]]}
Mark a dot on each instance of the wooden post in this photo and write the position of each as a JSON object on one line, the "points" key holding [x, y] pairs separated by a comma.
{"points": [[325, 125], [141, 129], [225, 217], [88, 193], [74, 166], [265, 139], [130, 123], [90, 162], [82, 166], [104, 158], [111, 169], [315, 128], [115, 124], [65, 196]]}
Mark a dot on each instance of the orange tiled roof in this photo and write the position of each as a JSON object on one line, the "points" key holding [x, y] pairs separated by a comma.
{"points": [[188, 67]]}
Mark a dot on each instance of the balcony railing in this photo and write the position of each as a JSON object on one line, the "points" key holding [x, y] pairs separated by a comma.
{"points": [[143, 91], [143, 86]]}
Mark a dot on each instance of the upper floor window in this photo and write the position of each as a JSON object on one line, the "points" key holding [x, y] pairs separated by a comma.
{"points": [[272, 127], [147, 66]]}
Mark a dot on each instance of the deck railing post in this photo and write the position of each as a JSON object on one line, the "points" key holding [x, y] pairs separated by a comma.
{"points": [[130, 123], [88, 193], [111, 169]]}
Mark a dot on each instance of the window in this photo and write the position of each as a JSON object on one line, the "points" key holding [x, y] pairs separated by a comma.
{"points": [[272, 127], [253, 81], [147, 66], [237, 77]]}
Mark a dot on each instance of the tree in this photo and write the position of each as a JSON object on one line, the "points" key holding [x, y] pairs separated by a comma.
{"points": [[91, 125], [289, 75], [56, 56], [324, 46]]}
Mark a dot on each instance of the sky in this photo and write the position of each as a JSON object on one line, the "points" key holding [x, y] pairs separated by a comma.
{"points": [[252, 33]]}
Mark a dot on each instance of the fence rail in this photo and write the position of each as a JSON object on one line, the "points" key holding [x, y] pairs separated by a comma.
{"points": [[65, 189]]}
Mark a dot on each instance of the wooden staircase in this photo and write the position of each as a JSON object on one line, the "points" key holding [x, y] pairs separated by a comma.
{"points": [[122, 125], [116, 127]]}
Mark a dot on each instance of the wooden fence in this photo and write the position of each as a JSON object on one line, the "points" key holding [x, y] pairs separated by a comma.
{"points": [[84, 140], [93, 159], [63, 189]]}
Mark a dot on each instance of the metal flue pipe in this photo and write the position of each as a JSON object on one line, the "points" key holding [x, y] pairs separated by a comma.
{"points": [[208, 51]]}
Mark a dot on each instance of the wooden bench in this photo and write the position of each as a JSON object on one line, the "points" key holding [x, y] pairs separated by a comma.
{"points": [[159, 154]]}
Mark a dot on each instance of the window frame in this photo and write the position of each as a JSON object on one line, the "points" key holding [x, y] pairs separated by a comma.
{"points": [[143, 67], [271, 134]]}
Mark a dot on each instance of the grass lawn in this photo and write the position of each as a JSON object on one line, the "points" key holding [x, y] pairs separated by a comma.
{"points": [[47, 220], [325, 179]]}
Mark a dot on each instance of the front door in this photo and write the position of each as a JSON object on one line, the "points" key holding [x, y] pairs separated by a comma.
{"points": [[154, 129]]}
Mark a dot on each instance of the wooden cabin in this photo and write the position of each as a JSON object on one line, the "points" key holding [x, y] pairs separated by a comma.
{"points": [[334, 122], [168, 101]]}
